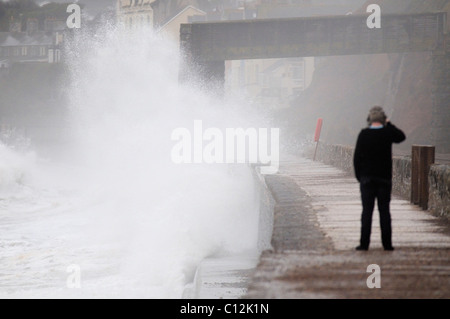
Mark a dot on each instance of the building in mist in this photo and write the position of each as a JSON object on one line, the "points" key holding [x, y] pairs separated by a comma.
{"points": [[276, 83], [135, 13], [156, 13], [39, 46], [15, 25], [55, 24], [172, 27], [32, 25], [4, 67], [33, 35], [271, 83], [162, 16]]}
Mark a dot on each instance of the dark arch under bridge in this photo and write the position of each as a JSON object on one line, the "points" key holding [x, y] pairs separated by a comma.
{"points": [[207, 45]]}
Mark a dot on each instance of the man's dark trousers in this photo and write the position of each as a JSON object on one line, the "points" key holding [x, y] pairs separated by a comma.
{"points": [[371, 189]]}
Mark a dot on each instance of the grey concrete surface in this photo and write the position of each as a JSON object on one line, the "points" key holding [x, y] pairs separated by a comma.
{"points": [[316, 228]]}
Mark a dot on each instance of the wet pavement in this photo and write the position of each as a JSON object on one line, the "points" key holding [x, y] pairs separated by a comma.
{"points": [[316, 228]]}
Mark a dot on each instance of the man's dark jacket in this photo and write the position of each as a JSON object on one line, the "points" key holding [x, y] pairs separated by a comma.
{"points": [[373, 152]]}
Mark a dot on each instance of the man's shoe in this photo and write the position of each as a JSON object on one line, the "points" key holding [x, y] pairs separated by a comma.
{"points": [[362, 248], [389, 248]]}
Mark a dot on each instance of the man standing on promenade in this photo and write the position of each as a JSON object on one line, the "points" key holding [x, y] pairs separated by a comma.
{"points": [[372, 163]]}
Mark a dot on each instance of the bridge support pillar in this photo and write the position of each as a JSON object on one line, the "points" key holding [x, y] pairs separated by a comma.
{"points": [[209, 73], [212, 74]]}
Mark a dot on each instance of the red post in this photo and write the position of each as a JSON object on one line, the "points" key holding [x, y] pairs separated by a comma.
{"points": [[317, 135]]}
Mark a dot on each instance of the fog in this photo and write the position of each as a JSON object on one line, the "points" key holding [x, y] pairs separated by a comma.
{"points": [[87, 171], [112, 201]]}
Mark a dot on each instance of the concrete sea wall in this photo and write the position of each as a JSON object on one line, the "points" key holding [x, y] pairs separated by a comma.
{"points": [[227, 277]]}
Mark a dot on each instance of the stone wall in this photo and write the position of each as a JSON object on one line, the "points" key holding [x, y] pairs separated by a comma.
{"points": [[439, 192], [401, 177], [341, 156]]}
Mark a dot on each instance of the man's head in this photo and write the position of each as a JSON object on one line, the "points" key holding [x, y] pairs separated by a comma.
{"points": [[376, 114]]}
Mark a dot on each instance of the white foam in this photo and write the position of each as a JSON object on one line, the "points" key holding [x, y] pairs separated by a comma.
{"points": [[137, 224]]}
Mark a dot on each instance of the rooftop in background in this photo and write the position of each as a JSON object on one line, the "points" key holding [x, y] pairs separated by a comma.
{"points": [[9, 39], [93, 7]]}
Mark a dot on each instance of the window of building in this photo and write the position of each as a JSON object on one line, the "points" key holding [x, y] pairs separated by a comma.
{"points": [[266, 80], [296, 91], [57, 56], [24, 51], [34, 51], [42, 51], [297, 72]]}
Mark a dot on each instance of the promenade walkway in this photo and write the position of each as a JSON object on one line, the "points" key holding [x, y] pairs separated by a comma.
{"points": [[316, 228]]}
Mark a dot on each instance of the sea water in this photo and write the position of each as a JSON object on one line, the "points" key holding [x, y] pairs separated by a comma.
{"points": [[112, 216]]}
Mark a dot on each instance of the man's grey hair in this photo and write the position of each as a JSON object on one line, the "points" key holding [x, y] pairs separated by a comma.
{"points": [[376, 114]]}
